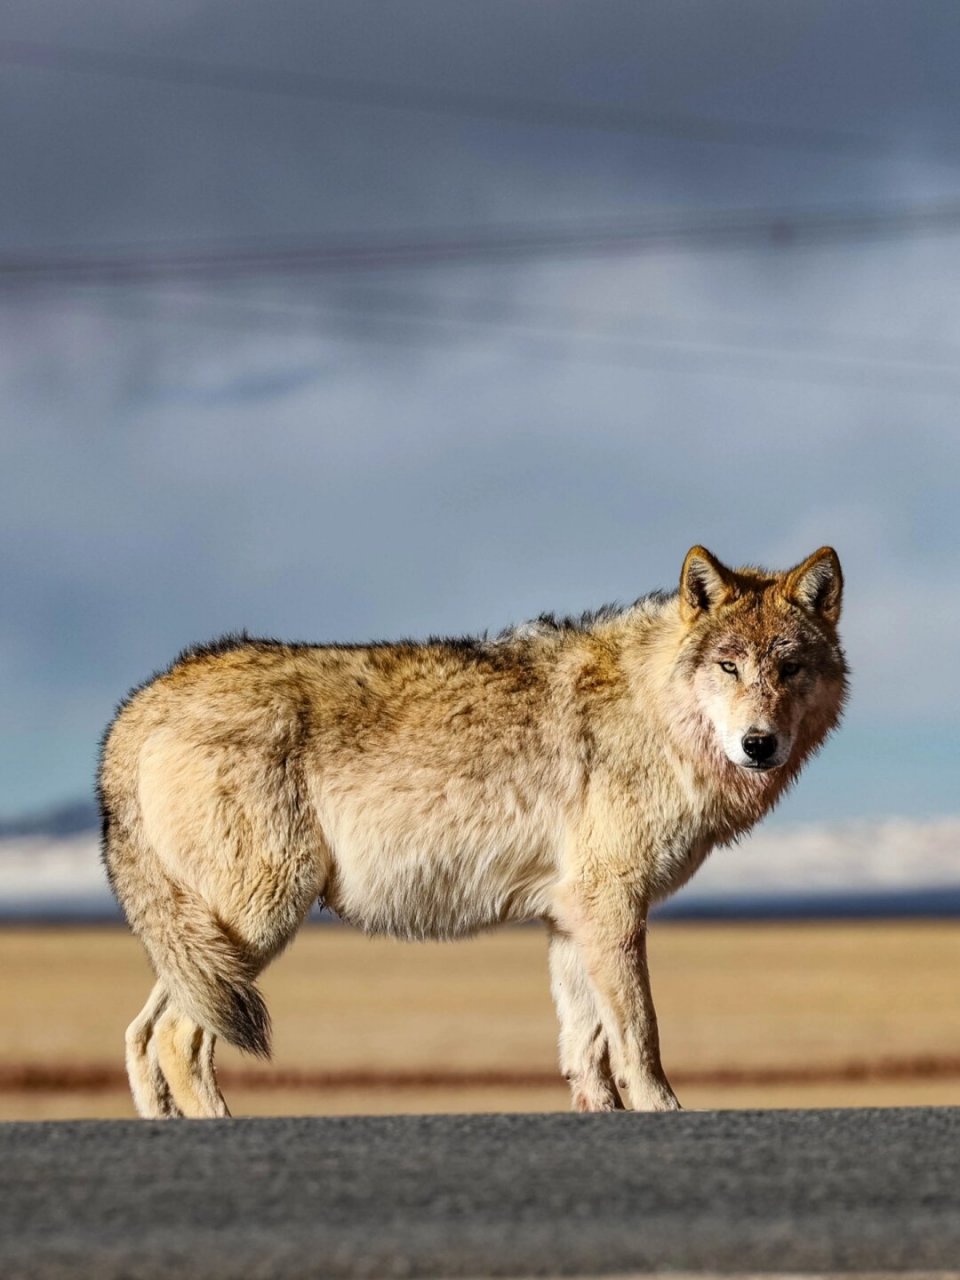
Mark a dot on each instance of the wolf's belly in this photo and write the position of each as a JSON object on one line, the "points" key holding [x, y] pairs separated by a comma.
{"points": [[431, 870], [411, 894]]}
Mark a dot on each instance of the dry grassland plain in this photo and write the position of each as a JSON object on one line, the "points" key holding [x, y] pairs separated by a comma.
{"points": [[752, 1015]]}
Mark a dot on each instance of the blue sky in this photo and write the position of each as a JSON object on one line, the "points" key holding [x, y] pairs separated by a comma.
{"points": [[397, 452]]}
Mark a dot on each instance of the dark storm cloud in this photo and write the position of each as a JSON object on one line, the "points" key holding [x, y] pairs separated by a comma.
{"points": [[102, 158], [461, 447]]}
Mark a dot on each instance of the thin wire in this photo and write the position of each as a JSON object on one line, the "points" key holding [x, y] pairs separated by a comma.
{"points": [[731, 229], [725, 359], [601, 117], [569, 322]]}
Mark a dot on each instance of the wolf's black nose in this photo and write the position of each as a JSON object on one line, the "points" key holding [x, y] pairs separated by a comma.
{"points": [[760, 746]]}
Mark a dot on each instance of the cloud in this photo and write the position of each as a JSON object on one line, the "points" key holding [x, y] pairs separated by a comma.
{"points": [[460, 447]]}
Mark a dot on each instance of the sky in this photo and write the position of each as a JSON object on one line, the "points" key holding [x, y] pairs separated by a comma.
{"points": [[434, 316]]}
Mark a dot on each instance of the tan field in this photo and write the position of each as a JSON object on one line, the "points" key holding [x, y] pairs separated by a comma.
{"points": [[775, 1015]]}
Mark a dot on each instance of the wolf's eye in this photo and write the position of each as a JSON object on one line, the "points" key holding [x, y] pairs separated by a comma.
{"points": [[729, 667], [789, 669]]}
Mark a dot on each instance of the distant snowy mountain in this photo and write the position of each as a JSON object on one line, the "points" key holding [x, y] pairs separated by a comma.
{"points": [[855, 868], [895, 854], [51, 877], [75, 818]]}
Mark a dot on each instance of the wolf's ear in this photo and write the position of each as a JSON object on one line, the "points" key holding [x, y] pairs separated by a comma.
{"points": [[705, 583], [817, 584]]}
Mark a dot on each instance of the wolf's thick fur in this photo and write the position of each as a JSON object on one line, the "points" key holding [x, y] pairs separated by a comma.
{"points": [[570, 771]]}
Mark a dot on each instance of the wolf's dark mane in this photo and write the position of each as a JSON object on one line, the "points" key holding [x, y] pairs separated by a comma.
{"points": [[579, 623], [544, 623]]}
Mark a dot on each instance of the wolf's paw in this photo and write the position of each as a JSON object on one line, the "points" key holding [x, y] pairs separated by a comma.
{"points": [[663, 1102], [654, 1096], [595, 1095], [595, 1102]]}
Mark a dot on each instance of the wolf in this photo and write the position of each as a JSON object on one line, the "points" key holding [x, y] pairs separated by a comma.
{"points": [[572, 771]]}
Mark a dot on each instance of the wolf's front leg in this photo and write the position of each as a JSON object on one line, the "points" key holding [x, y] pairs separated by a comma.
{"points": [[584, 1050], [610, 933]]}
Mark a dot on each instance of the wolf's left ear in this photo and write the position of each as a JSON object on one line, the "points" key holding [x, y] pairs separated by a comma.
{"points": [[817, 584], [705, 583]]}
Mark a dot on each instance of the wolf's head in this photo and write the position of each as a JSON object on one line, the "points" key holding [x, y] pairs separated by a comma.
{"points": [[760, 657]]}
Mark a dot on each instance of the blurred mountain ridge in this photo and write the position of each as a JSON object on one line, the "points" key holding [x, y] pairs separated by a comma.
{"points": [[50, 868], [72, 818]]}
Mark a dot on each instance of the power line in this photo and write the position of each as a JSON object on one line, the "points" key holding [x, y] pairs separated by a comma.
{"points": [[465, 104], [662, 327], [768, 361], [732, 229]]}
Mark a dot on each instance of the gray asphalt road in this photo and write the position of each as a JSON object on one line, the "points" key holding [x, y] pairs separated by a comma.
{"points": [[482, 1195]]}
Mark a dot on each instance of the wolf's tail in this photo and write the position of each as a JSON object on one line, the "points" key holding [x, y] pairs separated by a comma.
{"points": [[208, 972]]}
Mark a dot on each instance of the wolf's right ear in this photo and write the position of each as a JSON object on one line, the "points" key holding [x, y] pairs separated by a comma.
{"points": [[817, 584], [705, 583]]}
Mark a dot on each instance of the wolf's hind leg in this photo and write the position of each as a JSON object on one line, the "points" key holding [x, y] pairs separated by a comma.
{"points": [[209, 1088], [186, 1050], [151, 1093], [584, 1052]]}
